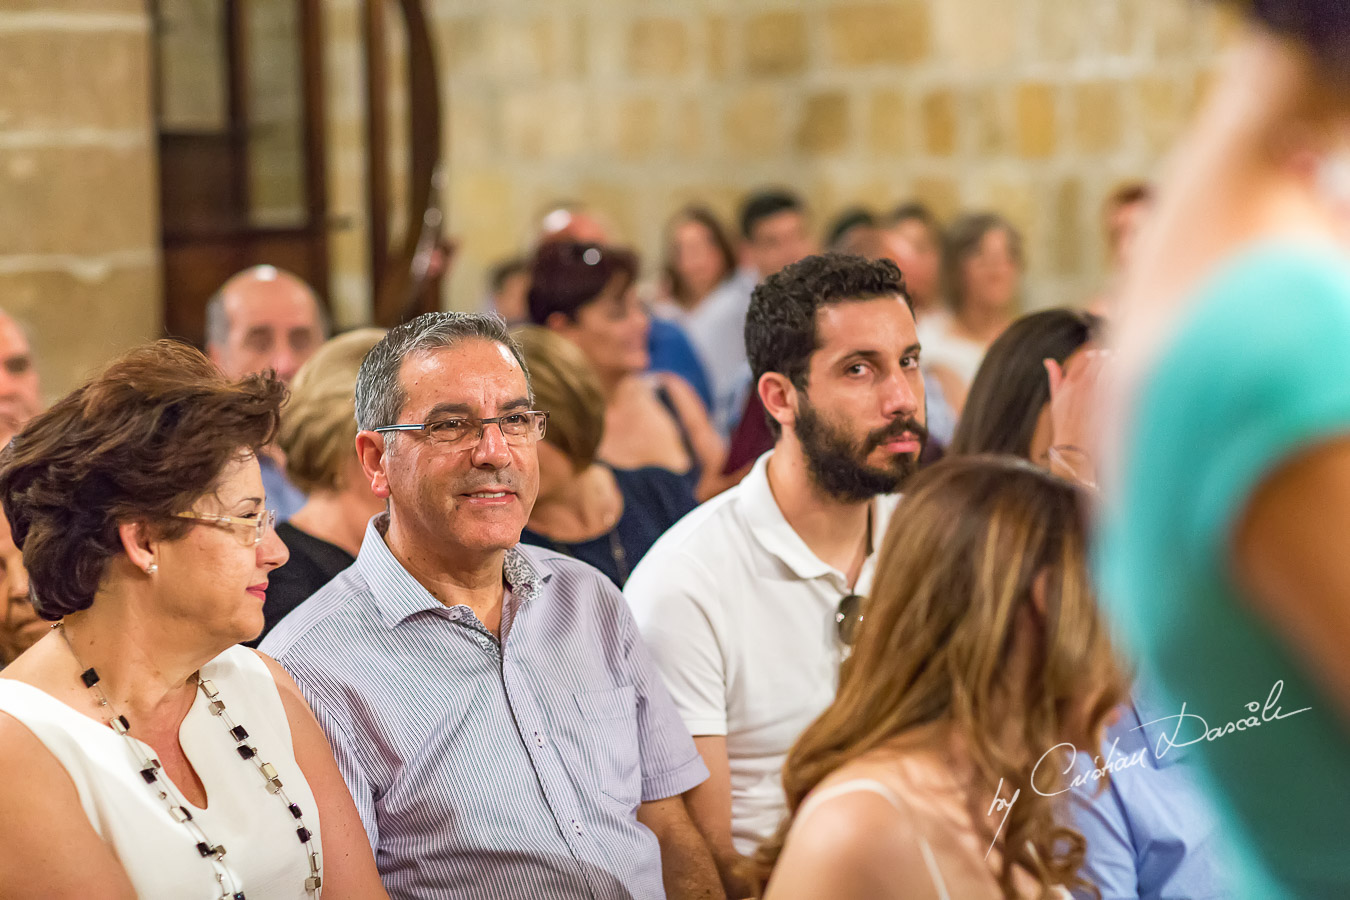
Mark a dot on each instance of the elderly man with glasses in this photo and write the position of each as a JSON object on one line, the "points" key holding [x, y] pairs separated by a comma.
{"points": [[491, 705]]}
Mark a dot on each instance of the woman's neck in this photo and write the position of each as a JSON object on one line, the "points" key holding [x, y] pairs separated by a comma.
{"points": [[614, 382], [145, 666], [338, 517], [694, 296], [982, 323], [581, 509]]}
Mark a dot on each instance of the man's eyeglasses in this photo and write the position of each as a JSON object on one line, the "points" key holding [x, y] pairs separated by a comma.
{"points": [[848, 615], [257, 527], [462, 432]]}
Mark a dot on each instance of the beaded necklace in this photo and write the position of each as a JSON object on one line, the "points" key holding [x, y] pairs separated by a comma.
{"points": [[177, 806]]}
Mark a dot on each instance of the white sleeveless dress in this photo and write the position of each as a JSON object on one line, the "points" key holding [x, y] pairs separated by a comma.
{"points": [[263, 851], [872, 786]]}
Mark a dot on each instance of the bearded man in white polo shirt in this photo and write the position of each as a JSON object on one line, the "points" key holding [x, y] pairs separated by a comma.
{"points": [[748, 603]]}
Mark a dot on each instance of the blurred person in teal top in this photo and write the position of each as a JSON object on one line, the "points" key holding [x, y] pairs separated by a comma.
{"points": [[1223, 544]]}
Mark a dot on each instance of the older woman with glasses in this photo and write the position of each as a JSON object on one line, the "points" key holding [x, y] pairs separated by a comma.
{"points": [[147, 755]]}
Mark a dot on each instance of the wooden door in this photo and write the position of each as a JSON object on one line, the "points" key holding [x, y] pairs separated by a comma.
{"points": [[239, 111]]}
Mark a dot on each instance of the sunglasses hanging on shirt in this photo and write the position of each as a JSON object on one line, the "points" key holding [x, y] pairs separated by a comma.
{"points": [[848, 616]]}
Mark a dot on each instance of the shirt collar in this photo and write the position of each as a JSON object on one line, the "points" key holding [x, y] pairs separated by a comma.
{"points": [[1155, 719], [770, 527], [399, 596]]}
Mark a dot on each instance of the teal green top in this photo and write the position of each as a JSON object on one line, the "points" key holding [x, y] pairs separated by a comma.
{"points": [[1258, 370]]}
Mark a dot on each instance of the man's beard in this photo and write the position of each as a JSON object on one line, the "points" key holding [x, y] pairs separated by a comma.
{"points": [[839, 466]]}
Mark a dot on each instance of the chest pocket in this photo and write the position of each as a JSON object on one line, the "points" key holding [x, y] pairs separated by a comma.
{"points": [[611, 751]]}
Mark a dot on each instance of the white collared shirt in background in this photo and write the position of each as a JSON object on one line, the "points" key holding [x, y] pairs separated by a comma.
{"points": [[739, 616]]}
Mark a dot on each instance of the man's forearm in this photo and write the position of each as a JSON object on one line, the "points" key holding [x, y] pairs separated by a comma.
{"points": [[731, 866], [687, 866]]}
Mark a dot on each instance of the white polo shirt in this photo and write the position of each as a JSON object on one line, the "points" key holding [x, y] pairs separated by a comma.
{"points": [[739, 615]]}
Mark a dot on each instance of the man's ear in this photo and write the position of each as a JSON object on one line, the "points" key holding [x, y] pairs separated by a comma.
{"points": [[779, 397], [373, 451]]}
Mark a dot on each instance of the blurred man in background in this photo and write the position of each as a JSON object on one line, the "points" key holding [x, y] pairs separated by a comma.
{"points": [[266, 318]]}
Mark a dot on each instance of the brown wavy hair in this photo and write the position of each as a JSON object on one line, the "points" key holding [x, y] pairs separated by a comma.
{"points": [[140, 441], [960, 563]]}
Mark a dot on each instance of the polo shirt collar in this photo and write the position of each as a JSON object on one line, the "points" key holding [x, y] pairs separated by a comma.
{"points": [[771, 529], [398, 595]]}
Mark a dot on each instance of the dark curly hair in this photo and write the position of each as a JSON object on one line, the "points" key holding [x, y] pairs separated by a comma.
{"points": [[142, 440], [780, 326]]}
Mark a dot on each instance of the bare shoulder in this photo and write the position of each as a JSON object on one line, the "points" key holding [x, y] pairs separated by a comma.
{"points": [[680, 390], [292, 699], [31, 772], [279, 674], [855, 844], [43, 827]]}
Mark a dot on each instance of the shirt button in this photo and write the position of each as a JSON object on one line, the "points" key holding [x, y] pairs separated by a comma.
{"points": [[576, 826], [538, 739]]}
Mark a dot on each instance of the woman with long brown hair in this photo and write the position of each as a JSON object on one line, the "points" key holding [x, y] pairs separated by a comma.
{"points": [[980, 667]]}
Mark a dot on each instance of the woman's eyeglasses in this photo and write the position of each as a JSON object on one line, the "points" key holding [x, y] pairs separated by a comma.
{"points": [[257, 526]]}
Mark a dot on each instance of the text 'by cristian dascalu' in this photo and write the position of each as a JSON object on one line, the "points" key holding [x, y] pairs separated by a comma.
{"points": [[1190, 729]]}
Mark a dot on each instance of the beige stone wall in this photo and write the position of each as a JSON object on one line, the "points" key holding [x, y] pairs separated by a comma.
{"points": [[78, 194], [1033, 107]]}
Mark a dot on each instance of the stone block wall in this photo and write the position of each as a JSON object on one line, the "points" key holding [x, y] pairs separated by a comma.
{"points": [[1036, 108], [79, 264]]}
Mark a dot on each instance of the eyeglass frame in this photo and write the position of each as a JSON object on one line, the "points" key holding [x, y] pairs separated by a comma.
{"points": [[848, 618], [482, 426], [261, 525]]}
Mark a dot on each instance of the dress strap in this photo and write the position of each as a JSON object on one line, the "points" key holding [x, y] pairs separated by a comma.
{"points": [[872, 786]]}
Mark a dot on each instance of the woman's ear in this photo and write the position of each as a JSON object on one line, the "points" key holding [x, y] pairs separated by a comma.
{"points": [[139, 545]]}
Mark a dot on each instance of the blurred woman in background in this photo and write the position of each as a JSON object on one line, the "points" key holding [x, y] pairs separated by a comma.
{"points": [[585, 292], [981, 664], [981, 275], [601, 515], [318, 436], [699, 258], [1008, 407]]}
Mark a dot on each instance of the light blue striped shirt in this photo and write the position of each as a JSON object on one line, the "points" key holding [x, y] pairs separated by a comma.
{"points": [[493, 770]]}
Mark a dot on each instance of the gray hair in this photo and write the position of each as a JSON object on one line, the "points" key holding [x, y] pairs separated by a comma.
{"points": [[218, 320], [380, 396]]}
